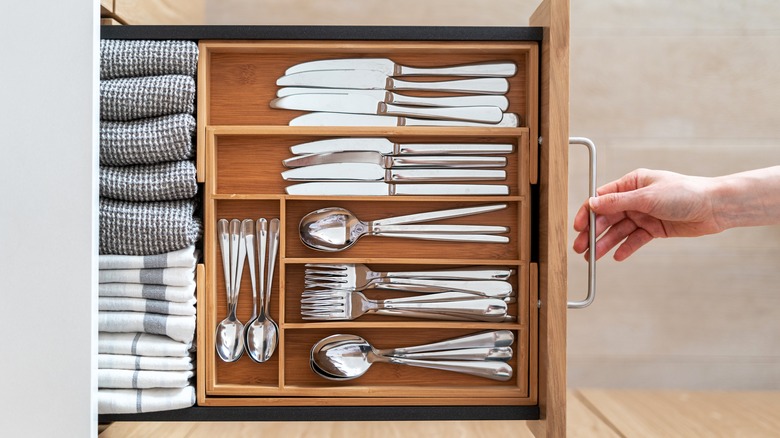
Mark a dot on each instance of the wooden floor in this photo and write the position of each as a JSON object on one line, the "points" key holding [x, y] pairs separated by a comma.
{"points": [[591, 412]]}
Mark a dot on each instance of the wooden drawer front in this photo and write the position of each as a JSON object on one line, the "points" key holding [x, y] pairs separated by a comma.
{"points": [[242, 142]]}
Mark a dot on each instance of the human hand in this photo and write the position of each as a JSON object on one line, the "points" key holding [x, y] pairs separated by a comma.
{"points": [[644, 205]]}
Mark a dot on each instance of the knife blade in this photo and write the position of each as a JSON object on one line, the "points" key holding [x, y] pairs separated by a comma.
{"points": [[498, 100], [391, 68], [389, 162], [374, 172], [375, 80], [385, 189], [509, 120], [387, 147], [360, 104]]}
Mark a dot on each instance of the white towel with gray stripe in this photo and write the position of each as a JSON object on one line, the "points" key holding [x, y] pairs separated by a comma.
{"points": [[147, 141], [147, 96], [131, 362], [142, 379], [179, 294], [122, 304], [168, 181], [182, 258], [141, 344], [164, 276], [136, 401], [177, 327], [129, 58]]}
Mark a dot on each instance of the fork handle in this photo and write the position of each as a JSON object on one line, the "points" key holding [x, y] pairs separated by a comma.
{"points": [[496, 338], [489, 288], [494, 370], [474, 273], [472, 308]]}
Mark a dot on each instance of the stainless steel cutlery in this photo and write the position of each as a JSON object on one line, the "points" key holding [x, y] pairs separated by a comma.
{"points": [[495, 100], [387, 189], [391, 162], [391, 68], [386, 147], [376, 80], [376, 172], [321, 118]]}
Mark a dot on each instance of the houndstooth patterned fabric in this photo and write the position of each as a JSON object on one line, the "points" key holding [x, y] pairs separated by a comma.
{"points": [[149, 182], [133, 58], [146, 228], [148, 96], [147, 141]]}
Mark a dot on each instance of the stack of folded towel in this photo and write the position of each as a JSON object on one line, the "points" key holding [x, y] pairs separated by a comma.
{"points": [[149, 226]]}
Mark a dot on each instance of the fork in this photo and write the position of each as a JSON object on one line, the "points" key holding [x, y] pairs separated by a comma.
{"points": [[348, 305]]}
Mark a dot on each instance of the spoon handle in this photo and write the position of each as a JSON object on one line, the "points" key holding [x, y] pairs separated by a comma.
{"points": [[496, 338], [248, 231], [224, 248], [495, 370], [262, 243], [481, 238], [482, 353], [434, 215], [273, 248]]}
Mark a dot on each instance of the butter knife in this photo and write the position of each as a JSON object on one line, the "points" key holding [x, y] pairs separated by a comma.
{"points": [[391, 68], [360, 104], [387, 147], [497, 100], [390, 162], [509, 120], [385, 189], [375, 172], [375, 80]]}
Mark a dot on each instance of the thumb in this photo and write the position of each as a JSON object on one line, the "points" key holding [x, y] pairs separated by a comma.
{"points": [[612, 203]]}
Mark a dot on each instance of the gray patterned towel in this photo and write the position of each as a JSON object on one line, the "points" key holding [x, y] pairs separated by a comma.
{"points": [[162, 276], [141, 344], [135, 362], [146, 228], [182, 258], [142, 379], [147, 141], [177, 327], [179, 294], [149, 182], [131, 401], [132, 58], [148, 96], [124, 304]]}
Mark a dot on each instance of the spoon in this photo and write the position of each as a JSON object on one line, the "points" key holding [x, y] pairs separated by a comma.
{"points": [[270, 328], [335, 229], [343, 357], [248, 231], [255, 332], [229, 338]]}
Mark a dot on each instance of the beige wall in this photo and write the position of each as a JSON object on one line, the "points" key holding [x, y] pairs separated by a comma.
{"points": [[686, 86]]}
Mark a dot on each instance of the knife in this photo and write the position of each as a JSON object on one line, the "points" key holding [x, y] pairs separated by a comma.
{"points": [[389, 97], [388, 162], [510, 120], [390, 68], [385, 189], [375, 172], [387, 147], [360, 104], [375, 80]]}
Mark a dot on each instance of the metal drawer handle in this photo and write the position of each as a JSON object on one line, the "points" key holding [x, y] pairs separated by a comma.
{"points": [[592, 228]]}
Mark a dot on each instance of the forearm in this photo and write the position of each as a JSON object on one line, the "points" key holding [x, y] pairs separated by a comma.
{"points": [[749, 198]]}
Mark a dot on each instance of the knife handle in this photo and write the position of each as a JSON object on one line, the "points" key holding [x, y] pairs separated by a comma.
{"points": [[486, 69], [509, 120], [481, 114], [407, 149], [434, 175], [479, 85], [447, 161], [449, 101]]}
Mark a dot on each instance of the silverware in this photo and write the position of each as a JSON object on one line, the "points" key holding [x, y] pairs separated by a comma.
{"points": [[358, 274], [389, 162], [256, 331], [390, 68], [375, 80], [487, 288], [496, 100], [387, 147], [362, 104], [389, 189], [375, 172], [342, 305], [271, 338], [335, 229], [343, 357], [229, 336], [509, 120], [252, 325]]}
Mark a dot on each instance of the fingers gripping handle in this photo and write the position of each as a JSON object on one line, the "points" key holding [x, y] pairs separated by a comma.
{"points": [[592, 225]]}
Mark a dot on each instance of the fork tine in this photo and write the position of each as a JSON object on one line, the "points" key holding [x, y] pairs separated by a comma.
{"points": [[336, 266]]}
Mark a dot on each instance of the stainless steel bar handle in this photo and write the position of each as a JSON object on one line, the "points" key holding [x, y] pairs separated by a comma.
{"points": [[592, 227]]}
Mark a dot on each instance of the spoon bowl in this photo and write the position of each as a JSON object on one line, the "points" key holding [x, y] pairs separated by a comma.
{"points": [[229, 339], [331, 229]]}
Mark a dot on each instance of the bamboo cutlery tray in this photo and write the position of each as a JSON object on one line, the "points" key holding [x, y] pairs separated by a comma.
{"points": [[241, 145]]}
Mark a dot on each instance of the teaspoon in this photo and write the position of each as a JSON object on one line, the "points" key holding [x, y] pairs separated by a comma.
{"points": [[255, 332], [270, 328], [229, 336]]}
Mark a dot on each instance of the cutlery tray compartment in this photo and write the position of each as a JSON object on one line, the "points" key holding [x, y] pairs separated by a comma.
{"points": [[241, 145]]}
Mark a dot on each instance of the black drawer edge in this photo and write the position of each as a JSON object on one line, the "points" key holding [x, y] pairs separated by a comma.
{"points": [[234, 32], [333, 413]]}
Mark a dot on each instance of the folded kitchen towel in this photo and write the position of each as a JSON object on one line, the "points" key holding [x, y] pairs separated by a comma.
{"points": [[147, 141], [133, 362], [142, 379], [177, 327], [122, 304], [149, 182], [134, 401], [146, 228], [179, 294], [164, 276], [141, 344], [147, 96], [182, 258], [129, 58]]}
